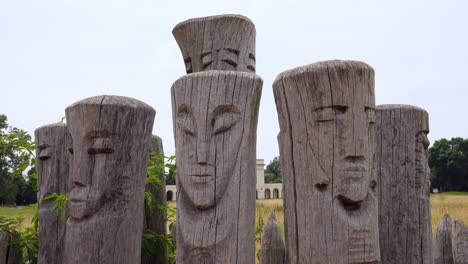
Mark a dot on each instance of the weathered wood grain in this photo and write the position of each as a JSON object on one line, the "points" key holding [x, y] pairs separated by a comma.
{"points": [[272, 248], [403, 184], [9, 252], [155, 218], [326, 116], [111, 139], [215, 122], [52, 165], [459, 242], [225, 42], [442, 249]]}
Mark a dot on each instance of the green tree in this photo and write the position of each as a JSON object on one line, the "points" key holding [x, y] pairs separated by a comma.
{"points": [[16, 155], [273, 172], [448, 160]]}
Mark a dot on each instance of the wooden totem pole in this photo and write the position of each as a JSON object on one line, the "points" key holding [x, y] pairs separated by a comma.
{"points": [[111, 138], [272, 249], [155, 218], [403, 184], [326, 116], [53, 143], [215, 112], [459, 242]]}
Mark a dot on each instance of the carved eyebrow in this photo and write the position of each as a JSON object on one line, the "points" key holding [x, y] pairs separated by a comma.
{"points": [[252, 56], [97, 134], [225, 109], [369, 108], [42, 147], [232, 50], [204, 54], [184, 109], [341, 108]]}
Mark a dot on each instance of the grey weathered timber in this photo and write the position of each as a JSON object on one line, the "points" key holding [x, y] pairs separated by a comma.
{"points": [[52, 151], [9, 252], [225, 42], [326, 116], [272, 248], [459, 242], [155, 218], [442, 249], [215, 123], [403, 184], [111, 138]]}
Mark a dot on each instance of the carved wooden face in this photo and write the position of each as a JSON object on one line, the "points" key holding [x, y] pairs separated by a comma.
{"points": [[210, 115], [341, 137], [103, 151], [226, 59]]}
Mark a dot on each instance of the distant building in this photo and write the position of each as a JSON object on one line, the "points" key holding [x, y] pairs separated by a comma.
{"points": [[264, 190]]}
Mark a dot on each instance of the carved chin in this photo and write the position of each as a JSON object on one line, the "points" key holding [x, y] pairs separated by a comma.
{"points": [[202, 201]]}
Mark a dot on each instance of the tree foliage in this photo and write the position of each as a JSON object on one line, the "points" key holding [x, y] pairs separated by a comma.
{"points": [[448, 160], [273, 173]]}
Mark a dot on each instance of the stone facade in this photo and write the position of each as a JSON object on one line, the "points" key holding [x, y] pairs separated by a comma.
{"points": [[264, 190]]}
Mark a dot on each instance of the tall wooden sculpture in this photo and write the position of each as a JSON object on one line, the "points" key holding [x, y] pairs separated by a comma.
{"points": [[215, 120], [225, 42], [443, 242], [52, 151], [459, 242], [155, 218], [326, 116], [111, 139], [403, 180], [215, 124], [10, 253], [272, 249]]}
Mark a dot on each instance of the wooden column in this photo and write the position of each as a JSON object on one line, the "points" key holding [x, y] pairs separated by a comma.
{"points": [[52, 151], [272, 249], [326, 116], [111, 138], [155, 218], [459, 242], [403, 180], [443, 242], [225, 42], [215, 123]]}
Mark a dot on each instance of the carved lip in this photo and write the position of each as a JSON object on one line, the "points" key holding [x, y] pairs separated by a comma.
{"points": [[201, 178], [77, 201], [355, 168]]}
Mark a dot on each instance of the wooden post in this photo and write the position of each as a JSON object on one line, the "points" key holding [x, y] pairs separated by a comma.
{"points": [[326, 117], [52, 151], [215, 123], [443, 242], [155, 218], [272, 249], [403, 180], [111, 139], [9, 252], [225, 42], [459, 242]]}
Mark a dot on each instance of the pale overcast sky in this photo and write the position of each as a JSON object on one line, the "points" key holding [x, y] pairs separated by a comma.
{"points": [[53, 53]]}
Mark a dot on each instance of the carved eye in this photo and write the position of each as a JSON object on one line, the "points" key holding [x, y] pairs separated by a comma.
{"points": [[329, 113], [101, 146], [44, 154], [230, 56], [188, 65], [225, 117], [370, 114], [70, 150], [185, 120]]}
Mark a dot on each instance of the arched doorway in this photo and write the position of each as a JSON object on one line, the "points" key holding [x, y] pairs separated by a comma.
{"points": [[169, 195], [267, 194], [275, 193]]}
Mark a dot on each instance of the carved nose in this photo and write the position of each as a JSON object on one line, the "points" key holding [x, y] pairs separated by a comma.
{"points": [[202, 152]]}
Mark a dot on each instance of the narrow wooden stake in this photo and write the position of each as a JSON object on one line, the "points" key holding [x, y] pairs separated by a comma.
{"points": [[443, 242], [272, 248], [225, 42], [459, 242], [215, 123], [111, 139], [10, 253], [52, 164], [403, 184], [326, 116], [155, 218]]}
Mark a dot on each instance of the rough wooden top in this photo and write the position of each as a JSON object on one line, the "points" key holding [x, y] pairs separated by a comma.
{"points": [[240, 75], [51, 126], [240, 18], [399, 106], [403, 107], [114, 100], [324, 65]]}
